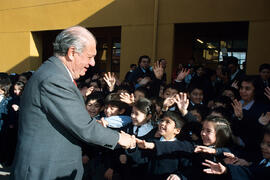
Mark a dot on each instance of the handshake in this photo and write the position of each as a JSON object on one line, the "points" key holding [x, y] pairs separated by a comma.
{"points": [[128, 141]]}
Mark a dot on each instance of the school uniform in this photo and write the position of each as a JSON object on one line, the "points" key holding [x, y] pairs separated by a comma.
{"points": [[138, 170], [250, 130], [158, 168], [257, 171], [186, 149]]}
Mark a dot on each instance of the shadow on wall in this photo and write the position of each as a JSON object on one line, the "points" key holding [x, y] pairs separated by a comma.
{"points": [[28, 64], [119, 12]]}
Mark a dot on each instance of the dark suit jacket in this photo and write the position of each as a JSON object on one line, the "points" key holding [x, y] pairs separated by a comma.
{"points": [[52, 124]]}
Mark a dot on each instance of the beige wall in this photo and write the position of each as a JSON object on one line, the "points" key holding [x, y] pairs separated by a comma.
{"points": [[18, 18]]}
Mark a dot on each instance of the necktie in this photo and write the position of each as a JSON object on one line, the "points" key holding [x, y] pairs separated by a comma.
{"points": [[75, 82], [137, 131], [264, 163]]}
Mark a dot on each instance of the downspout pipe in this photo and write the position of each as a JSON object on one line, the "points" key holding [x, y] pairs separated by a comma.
{"points": [[155, 30]]}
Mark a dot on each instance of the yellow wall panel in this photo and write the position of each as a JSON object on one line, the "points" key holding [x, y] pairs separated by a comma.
{"points": [[136, 41], [258, 45], [165, 46], [19, 19], [14, 49]]}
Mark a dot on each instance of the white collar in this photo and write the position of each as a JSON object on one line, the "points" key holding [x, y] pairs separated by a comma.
{"points": [[143, 129], [248, 105], [68, 72], [1, 97], [234, 74], [163, 139], [264, 161]]}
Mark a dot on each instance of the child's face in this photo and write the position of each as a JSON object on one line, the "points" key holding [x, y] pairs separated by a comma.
{"points": [[265, 74], [17, 90], [138, 117], [138, 95], [111, 110], [265, 146], [169, 92], [247, 91], [196, 96], [196, 114], [93, 108], [208, 133], [229, 94], [167, 129], [2, 92]]}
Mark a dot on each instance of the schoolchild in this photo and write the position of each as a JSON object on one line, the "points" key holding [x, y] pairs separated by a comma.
{"points": [[216, 136], [161, 167]]}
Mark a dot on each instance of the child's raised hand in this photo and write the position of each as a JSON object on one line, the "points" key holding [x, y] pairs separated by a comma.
{"points": [[89, 91], [103, 122], [182, 74], [15, 107], [110, 79], [264, 118], [144, 145], [126, 98], [182, 102], [229, 158], [108, 174], [168, 102], [235, 84], [213, 168], [205, 149], [173, 177], [158, 70], [267, 92], [237, 107]]}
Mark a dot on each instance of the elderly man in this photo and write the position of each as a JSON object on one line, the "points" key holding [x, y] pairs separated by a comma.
{"points": [[53, 119]]}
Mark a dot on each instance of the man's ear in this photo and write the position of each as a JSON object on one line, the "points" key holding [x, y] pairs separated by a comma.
{"points": [[71, 52]]}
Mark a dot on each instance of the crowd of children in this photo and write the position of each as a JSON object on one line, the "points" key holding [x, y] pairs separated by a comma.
{"points": [[205, 124]]}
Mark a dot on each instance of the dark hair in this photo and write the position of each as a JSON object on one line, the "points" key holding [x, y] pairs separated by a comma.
{"points": [[201, 109], [254, 83], [193, 86], [159, 61], [126, 86], [157, 100], [232, 60], [264, 66], [179, 122], [114, 100], [234, 90], [145, 106], [224, 100], [267, 129], [224, 136], [132, 65], [172, 86], [143, 90], [27, 74], [95, 81], [5, 84], [142, 57], [223, 111], [99, 96]]}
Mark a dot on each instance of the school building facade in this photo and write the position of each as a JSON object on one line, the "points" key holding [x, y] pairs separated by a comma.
{"points": [[177, 30]]}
